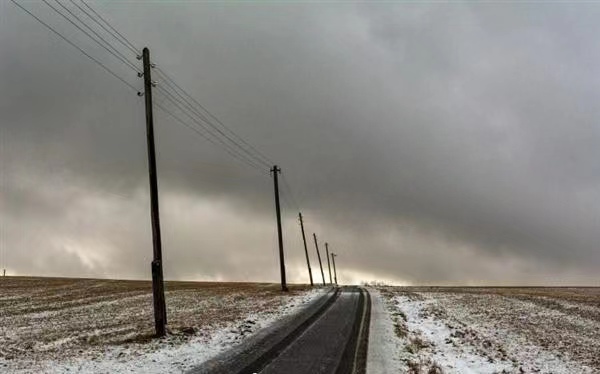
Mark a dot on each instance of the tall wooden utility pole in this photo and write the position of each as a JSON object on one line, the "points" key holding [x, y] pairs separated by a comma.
{"points": [[158, 288], [328, 264], [333, 256], [275, 171], [319, 256], [305, 249]]}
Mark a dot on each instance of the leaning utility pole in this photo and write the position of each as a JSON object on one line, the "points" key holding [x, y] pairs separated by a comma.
{"points": [[333, 256], [319, 256], [328, 264], [158, 288], [305, 249], [275, 171]]}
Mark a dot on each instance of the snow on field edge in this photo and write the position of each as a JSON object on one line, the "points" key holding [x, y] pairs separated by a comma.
{"points": [[167, 356], [430, 336]]}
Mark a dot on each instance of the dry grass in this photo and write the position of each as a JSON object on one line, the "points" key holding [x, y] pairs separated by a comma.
{"points": [[424, 366], [416, 343]]}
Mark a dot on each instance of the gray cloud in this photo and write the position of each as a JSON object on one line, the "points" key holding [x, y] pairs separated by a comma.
{"points": [[438, 143]]}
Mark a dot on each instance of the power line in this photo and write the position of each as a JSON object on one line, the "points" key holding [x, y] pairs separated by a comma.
{"points": [[178, 103], [183, 107], [195, 129], [175, 101], [170, 83], [293, 208], [121, 39], [253, 153], [124, 39], [124, 58], [289, 189], [226, 146], [287, 199], [265, 159], [76, 46], [256, 155], [117, 55]]}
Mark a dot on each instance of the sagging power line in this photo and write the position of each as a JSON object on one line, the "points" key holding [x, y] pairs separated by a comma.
{"points": [[228, 139], [100, 40], [89, 56], [118, 37]]}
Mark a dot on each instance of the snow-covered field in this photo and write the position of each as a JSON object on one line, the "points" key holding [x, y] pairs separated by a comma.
{"points": [[489, 330], [50, 325]]}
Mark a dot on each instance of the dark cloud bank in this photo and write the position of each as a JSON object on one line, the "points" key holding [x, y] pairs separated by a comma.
{"points": [[438, 143]]}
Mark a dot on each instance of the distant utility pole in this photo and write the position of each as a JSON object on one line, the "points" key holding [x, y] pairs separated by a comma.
{"points": [[333, 256], [158, 288], [305, 249], [328, 264], [4, 272], [319, 256], [275, 171]]}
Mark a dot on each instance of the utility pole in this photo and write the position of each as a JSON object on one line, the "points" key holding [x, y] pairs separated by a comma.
{"points": [[305, 249], [158, 288], [275, 171], [328, 264], [333, 256], [319, 256]]}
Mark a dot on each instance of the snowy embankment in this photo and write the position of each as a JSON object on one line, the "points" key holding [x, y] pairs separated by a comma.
{"points": [[94, 326], [479, 332]]}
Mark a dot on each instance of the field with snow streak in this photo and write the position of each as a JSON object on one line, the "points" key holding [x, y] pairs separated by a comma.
{"points": [[54, 325], [494, 330]]}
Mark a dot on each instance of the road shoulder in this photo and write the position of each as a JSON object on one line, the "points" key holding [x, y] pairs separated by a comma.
{"points": [[383, 344]]}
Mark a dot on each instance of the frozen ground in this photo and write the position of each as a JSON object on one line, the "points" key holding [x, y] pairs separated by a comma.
{"points": [[490, 330], [103, 326]]}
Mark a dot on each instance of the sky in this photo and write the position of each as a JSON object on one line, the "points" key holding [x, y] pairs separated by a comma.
{"points": [[425, 142]]}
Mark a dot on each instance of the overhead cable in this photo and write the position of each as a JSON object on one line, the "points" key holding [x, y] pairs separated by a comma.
{"points": [[76, 46], [123, 40], [190, 114], [129, 64], [196, 130], [259, 154]]}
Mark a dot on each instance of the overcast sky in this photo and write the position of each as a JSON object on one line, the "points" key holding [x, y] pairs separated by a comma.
{"points": [[428, 143]]}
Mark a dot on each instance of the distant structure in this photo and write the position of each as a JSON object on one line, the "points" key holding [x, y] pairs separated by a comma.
{"points": [[3, 272]]}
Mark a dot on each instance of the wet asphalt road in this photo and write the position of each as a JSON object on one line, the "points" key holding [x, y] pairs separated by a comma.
{"points": [[319, 348]]}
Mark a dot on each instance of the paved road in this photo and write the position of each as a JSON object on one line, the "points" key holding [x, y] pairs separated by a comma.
{"points": [[320, 348]]}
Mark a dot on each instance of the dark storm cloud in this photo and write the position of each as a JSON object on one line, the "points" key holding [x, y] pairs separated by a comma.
{"points": [[428, 143]]}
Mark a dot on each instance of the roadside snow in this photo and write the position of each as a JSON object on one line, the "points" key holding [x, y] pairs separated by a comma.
{"points": [[436, 340], [444, 332], [175, 354], [383, 344]]}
